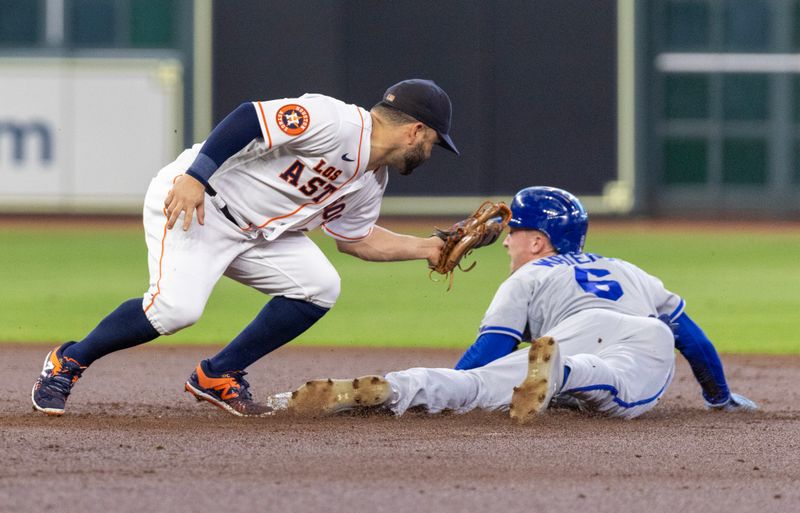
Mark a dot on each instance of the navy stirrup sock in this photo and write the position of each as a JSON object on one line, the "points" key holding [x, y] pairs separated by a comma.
{"points": [[281, 320], [125, 327]]}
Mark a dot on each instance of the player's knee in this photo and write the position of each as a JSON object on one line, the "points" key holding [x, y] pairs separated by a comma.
{"points": [[665, 348], [326, 290], [171, 320]]}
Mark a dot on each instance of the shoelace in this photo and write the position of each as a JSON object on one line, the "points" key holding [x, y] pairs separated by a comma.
{"points": [[62, 382], [244, 386]]}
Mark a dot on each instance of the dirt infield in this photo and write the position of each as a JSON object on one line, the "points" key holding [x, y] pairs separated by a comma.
{"points": [[133, 441]]}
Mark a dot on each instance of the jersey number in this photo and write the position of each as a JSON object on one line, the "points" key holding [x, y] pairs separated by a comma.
{"points": [[606, 289]]}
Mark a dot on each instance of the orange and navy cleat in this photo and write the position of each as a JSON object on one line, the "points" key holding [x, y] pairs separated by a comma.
{"points": [[228, 391], [59, 374]]}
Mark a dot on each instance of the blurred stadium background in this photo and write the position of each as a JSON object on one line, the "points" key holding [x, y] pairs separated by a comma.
{"points": [[645, 109], [667, 107]]}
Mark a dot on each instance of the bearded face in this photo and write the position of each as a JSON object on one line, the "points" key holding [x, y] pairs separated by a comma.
{"points": [[413, 158]]}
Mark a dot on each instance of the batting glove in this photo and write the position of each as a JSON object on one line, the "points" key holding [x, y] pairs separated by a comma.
{"points": [[735, 402]]}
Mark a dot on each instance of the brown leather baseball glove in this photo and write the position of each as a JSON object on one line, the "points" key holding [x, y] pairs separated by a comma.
{"points": [[480, 229]]}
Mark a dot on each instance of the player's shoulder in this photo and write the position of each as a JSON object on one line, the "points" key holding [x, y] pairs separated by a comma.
{"points": [[321, 101], [556, 267], [632, 271], [558, 262], [523, 278], [619, 262], [317, 107], [345, 114]]}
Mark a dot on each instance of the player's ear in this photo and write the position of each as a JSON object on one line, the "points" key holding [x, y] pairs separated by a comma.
{"points": [[538, 241], [416, 132], [534, 242]]}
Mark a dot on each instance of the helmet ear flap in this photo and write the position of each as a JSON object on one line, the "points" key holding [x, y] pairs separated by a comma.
{"points": [[556, 212]]}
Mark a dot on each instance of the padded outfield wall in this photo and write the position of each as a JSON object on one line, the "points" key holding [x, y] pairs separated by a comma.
{"points": [[666, 108]]}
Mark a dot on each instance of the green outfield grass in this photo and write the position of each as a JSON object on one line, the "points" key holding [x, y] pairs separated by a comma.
{"points": [[743, 287]]}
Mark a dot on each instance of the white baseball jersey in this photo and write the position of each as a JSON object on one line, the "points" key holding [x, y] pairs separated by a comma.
{"points": [[545, 292], [597, 309], [308, 170]]}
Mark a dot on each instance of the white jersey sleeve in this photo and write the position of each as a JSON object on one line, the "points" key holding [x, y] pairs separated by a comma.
{"points": [[508, 312], [359, 211], [542, 294], [309, 124]]}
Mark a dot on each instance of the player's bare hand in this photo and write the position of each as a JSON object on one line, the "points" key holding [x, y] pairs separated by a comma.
{"points": [[435, 252], [187, 196]]}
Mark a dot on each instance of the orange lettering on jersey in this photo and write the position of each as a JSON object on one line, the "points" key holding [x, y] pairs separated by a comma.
{"points": [[293, 172], [292, 119]]}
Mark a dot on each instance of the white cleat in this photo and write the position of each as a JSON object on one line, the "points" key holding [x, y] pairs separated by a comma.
{"points": [[321, 397], [533, 395]]}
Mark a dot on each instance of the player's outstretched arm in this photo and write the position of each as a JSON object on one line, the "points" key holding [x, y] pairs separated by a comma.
{"points": [[698, 350], [486, 349], [383, 245]]}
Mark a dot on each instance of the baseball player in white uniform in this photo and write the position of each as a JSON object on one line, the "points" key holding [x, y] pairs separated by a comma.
{"points": [[243, 200], [600, 330]]}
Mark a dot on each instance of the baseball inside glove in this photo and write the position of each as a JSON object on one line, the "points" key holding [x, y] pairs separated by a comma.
{"points": [[480, 229]]}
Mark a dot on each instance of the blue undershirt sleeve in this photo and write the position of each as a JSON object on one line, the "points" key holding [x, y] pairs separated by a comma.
{"points": [[231, 135], [488, 348], [695, 346]]}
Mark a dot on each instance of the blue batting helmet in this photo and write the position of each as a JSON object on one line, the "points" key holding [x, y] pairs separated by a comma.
{"points": [[553, 211]]}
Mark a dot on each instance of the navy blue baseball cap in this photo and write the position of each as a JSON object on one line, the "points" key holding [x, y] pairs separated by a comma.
{"points": [[426, 102]]}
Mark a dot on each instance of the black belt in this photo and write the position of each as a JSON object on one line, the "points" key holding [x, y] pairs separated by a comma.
{"points": [[221, 205]]}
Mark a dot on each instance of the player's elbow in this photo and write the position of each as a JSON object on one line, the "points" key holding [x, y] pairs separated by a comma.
{"points": [[359, 249], [348, 248]]}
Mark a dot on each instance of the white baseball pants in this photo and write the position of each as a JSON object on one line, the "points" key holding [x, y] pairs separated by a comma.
{"points": [[620, 365], [185, 265]]}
